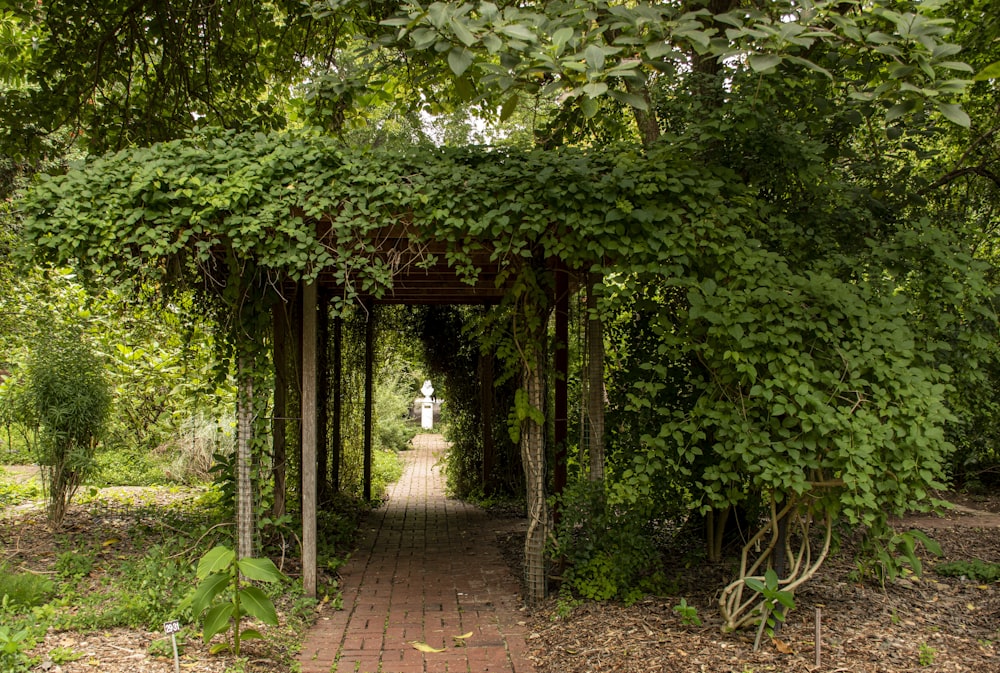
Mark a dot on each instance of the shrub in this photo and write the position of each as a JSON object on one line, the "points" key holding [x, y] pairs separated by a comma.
{"points": [[606, 552], [70, 399]]}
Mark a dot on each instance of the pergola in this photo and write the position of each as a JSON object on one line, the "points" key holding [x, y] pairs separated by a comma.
{"points": [[414, 283], [245, 215]]}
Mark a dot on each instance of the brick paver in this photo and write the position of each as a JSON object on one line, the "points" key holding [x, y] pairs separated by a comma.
{"points": [[427, 569]]}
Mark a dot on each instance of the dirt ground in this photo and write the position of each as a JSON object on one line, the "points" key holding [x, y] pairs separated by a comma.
{"points": [[933, 624]]}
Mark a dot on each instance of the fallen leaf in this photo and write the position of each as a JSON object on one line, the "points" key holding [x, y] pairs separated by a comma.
{"points": [[782, 646], [424, 647], [464, 636], [108, 543]]}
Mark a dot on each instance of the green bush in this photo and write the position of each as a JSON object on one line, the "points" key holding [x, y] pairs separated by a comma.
{"points": [[386, 469], [606, 552], [70, 399]]}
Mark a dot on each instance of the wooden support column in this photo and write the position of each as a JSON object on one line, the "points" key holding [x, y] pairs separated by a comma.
{"points": [[486, 419], [309, 438], [244, 451], [369, 400], [533, 457], [279, 359], [561, 420], [336, 440], [595, 381], [323, 399]]}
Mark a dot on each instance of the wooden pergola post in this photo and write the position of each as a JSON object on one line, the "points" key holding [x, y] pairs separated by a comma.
{"points": [[323, 398], [310, 427], [560, 421], [369, 400], [486, 419], [279, 357], [336, 439]]}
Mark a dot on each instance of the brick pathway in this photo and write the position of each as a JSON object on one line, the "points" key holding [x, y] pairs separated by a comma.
{"points": [[427, 569]]}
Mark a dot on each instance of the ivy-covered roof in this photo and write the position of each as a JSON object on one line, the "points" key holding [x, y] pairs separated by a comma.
{"points": [[225, 208]]}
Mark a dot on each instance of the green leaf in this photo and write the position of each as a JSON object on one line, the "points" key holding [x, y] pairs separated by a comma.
{"points": [[764, 62], [992, 71], [215, 560], [260, 569], [955, 114], [929, 543], [755, 584], [251, 634], [595, 89], [508, 108], [628, 98], [657, 50], [207, 591], [256, 603], [459, 60], [589, 107], [518, 32], [217, 620], [562, 36], [463, 33], [594, 56]]}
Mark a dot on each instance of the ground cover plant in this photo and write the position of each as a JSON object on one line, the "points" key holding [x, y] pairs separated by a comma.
{"points": [[98, 591]]}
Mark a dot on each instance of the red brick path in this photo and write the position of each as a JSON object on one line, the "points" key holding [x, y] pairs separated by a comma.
{"points": [[427, 569]]}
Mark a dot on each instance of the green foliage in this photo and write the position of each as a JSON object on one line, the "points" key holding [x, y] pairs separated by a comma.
{"points": [[687, 613], [589, 51], [22, 591], [225, 595], [14, 493], [974, 570], [927, 654], [14, 646], [607, 552], [70, 399], [74, 565], [387, 468], [774, 602], [149, 590], [887, 555]]}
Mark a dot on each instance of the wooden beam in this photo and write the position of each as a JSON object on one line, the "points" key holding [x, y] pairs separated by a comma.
{"points": [[309, 438], [369, 400]]}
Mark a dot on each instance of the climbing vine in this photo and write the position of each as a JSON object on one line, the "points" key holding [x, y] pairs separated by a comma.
{"points": [[801, 382]]}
